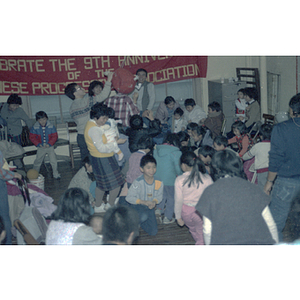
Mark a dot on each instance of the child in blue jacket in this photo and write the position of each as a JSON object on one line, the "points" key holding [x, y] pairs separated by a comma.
{"points": [[44, 135]]}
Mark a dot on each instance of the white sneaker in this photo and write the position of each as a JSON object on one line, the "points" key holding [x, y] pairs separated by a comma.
{"points": [[167, 221], [100, 208], [107, 206]]}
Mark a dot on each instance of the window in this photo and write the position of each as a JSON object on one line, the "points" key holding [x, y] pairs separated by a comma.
{"points": [[58, 106]]}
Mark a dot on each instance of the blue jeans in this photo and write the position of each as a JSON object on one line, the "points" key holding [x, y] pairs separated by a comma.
{"points": [[167, 204], [147, 216], [4, 211], [82, 146], [284, 192]]}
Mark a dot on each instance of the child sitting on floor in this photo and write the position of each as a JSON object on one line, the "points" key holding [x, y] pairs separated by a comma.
{"points": [[241, 137], [145, 193], [205, 153], [178, 120]]}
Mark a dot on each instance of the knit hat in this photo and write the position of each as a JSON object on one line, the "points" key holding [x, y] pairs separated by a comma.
{"points": [[123, 81]]}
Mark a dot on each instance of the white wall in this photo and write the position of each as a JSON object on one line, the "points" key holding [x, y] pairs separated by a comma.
{"points": [[285, 66]]}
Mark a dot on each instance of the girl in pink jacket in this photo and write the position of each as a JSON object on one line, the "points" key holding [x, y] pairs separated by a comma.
{"points": [[188, 188]]}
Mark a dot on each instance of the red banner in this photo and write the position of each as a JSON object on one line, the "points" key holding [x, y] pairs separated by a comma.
{"points": [[49, 75]]}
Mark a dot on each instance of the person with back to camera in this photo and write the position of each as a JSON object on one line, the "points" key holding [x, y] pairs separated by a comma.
{"points": [[165, 112], [136, 130], [235, 211], [192, 112], [144, 194], [43, 135], [167, 156], [260, 152], [105, 166], [84, 178], [81, 106], [284, 165], [188, 189], [69, 222], [120, 225]]}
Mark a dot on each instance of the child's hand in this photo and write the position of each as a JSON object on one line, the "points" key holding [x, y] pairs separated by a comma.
{"points": [[150, 204], [180, 222], [121, 141]]}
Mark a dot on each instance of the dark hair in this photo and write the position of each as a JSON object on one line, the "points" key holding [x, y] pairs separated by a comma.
{"points": [[189, 102], [98, 110], [136, 122], [200, 130], [169, 99], [70, 90], [172, 139], [265, 131], [191, 126], [178, 111], [191, 160], [206, 151], [110, 112], [40, 115], [221, 140], [118, 223], [183, 136], [215, 106], [92, 85], [145, 142], [147, 159], [74, 207], [294, 104], [226, 162], [241, 91], [240, 126], [14, 99], [141, 70], [251, 92], [2, 226]]}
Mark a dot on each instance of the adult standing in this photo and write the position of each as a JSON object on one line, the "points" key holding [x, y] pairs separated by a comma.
{"points": [[13, 114], [284, 165], [105, 166], [146, 91], [81, 106], [253, 108]]}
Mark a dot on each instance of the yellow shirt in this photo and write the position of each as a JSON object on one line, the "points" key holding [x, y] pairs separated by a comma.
{"points": [[96, 141]]}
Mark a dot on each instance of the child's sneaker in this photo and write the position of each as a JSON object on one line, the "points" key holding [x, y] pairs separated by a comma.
{"points": [[57, 176], [167, 221], [99, 209], [107, 206]]}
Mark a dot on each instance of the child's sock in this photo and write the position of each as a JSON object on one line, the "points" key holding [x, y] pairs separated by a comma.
{"points": [[120, 154]]}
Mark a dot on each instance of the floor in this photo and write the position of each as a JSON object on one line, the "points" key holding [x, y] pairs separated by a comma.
{"points": [[170, 234]]}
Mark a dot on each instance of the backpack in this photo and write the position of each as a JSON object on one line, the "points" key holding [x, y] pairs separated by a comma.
{"points": [[31, 218]]}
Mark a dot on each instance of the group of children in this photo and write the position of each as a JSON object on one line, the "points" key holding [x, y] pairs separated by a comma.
{"points": [[164, 180]]}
